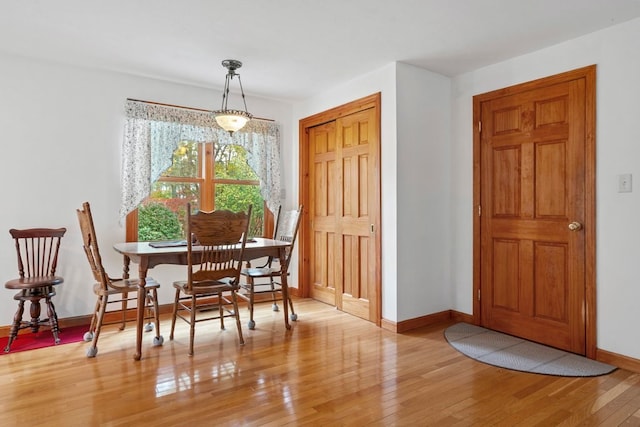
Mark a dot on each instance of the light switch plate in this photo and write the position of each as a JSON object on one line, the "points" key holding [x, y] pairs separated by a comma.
{"points": [[624, 183]]}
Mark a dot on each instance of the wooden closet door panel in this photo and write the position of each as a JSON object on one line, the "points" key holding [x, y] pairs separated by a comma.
{"points": [[357, 145], [322, 210]]}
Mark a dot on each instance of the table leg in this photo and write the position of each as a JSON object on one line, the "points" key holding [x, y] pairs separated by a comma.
{"points": [[285, 290], [142, 296], [125, 267]]}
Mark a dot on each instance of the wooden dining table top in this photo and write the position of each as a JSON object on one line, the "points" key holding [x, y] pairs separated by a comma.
{"points": [[156, 253]]}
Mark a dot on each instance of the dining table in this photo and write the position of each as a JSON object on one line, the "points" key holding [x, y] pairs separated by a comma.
{"points": [[150, 254]]}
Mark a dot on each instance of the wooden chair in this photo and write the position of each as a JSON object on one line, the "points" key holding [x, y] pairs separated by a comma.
{"points": [[37, 250], [111, 290], [286, 229], [214, 260]]}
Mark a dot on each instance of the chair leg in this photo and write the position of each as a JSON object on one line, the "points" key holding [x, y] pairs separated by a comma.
{"points": [[93, 350], [15, 326], [234, 298], [156, 311], [221, 309], [53, 320], [250, 282], [158, 339], [148, 309], [274, 305], [192, 326], [88, 336], [175, 313], [293, 316], [125, 297]]}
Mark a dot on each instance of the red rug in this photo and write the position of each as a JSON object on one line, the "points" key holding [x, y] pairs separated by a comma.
{"points": [[27, 340]]}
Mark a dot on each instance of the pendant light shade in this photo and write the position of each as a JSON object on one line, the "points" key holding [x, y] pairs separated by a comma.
{"points": [[232, 120]]}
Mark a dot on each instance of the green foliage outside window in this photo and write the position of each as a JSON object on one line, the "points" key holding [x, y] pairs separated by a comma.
{"points": [[237, 198], [231, 163], [185, 160], [157, 222]]}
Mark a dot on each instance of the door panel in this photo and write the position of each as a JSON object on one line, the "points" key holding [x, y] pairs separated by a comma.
{"points": [[357, 143], [323, 180], [550, 268], [532, 186]]}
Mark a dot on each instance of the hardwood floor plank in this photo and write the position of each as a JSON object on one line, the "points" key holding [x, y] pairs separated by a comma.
{"points": [[329, 369]]}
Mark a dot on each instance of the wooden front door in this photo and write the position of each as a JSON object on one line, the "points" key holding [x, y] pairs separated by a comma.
{"points": [[536, 210], [341, 192]]}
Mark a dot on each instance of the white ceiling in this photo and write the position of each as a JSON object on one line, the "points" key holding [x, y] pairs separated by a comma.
{"points": [[293, 49]]}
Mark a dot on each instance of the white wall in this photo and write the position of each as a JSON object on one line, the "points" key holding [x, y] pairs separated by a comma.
{"points": [[423, 117], [62, 131], [615, 51]]}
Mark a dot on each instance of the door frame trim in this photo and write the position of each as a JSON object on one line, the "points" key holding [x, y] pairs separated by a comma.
{"points": [[587, 73], [370, 101]]}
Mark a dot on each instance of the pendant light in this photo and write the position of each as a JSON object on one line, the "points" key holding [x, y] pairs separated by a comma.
{"points": [[231, 120]]}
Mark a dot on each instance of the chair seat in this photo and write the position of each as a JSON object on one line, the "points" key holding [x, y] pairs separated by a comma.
{"points": [[261, 272], [213, 288], [33, 282], [124, 285]]}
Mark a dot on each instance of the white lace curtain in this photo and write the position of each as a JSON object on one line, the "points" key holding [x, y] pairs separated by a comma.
{"points": [[152, 133]]}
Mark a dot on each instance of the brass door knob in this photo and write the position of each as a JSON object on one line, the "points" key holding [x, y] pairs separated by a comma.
{"points": [[575, 226]]}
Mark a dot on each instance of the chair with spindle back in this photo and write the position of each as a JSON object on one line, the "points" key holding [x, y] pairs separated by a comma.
{"points": [[214, 259], [37, 250], [109, 290], [286, 230]]}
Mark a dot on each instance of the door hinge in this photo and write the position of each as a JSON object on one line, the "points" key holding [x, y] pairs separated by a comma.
{"points": [[479, 126], [479, 210], [372, 230], [478, 294]]}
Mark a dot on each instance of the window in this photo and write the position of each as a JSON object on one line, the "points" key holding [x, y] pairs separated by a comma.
{"points": [[207, 175], [173, 155]]}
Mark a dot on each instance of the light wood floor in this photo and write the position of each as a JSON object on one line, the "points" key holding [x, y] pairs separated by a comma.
{"points": [[330, 369]]}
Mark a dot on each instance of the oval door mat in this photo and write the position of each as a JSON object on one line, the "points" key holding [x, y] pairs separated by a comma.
{"points": [[506, 351]]}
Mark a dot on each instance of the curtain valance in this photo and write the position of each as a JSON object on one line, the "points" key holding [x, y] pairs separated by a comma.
{"points": [[152, 133]]}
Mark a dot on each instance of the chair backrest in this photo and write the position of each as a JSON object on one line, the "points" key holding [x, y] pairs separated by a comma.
{"points": [[90, 244], [286, 230], [37, 250], [221, 236]]}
